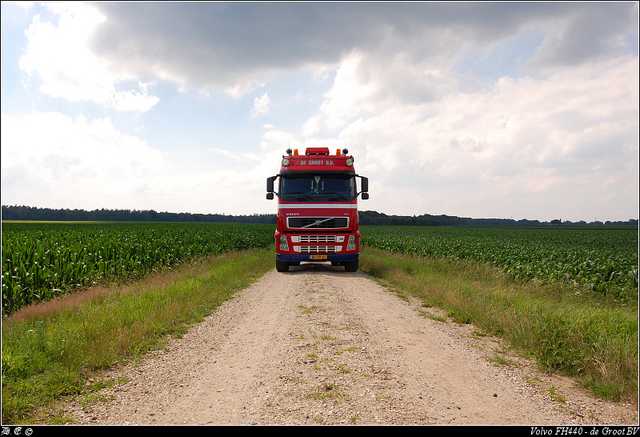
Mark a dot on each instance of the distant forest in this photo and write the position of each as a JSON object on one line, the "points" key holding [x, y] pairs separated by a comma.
{"points": [[125, 215], [366, 218]]}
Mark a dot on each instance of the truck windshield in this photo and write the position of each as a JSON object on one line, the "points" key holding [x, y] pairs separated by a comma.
{"points": [[326, 187]]}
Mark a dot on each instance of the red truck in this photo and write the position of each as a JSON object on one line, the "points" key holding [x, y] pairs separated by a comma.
{"points": [[317, 208]]}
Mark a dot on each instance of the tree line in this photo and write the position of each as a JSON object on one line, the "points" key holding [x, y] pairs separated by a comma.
{"points": [[22, 212], [48, 214], [378, 218]]}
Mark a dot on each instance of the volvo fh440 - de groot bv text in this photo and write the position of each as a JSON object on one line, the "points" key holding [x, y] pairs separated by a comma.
{"points": [[317, 208]]}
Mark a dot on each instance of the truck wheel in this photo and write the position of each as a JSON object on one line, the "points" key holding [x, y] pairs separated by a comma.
{"points": [[282, 266], [351, 266]]}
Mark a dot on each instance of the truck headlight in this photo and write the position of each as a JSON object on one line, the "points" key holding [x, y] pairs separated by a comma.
{"points": [[351, 244], [283, 243]]}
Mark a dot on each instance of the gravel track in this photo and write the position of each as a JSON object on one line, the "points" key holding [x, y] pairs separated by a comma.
{"points": [[319, 345]]}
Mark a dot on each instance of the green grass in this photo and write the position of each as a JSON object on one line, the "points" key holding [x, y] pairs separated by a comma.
{"points": [[50, 350], [600, 259], [590, 333], [568, 329], [41, 261]]}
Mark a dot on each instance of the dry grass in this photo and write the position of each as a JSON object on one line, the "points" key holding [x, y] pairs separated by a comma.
{"points": [[158, 279], [575, 332], [48, 350]]}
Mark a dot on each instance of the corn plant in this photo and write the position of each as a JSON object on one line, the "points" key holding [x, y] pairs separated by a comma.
{"points": [[43, 260], [603, 260]]}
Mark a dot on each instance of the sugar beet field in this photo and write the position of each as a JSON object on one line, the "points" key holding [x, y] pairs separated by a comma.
{"points": [[43, 260]]}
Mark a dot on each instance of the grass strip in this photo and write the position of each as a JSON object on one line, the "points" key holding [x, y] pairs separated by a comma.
{"points": [[51, 350], [570, 330]]}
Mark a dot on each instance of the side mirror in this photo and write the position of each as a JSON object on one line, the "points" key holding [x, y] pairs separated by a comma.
{"points": [[365, 196], [270, 181], [365, 184]]}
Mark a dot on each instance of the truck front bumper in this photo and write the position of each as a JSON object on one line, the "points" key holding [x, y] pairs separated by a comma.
{"points": [[292, 258]]}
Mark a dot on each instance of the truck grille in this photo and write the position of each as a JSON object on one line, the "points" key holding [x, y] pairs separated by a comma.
{"points": [[318, 222], [317, 238], [320, 249]]}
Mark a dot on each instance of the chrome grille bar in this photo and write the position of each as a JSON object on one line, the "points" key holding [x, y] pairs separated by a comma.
{"points": [[317, 238], [320, 249]]}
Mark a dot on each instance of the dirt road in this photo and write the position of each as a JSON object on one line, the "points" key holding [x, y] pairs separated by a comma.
{"points": [[318, 345]]}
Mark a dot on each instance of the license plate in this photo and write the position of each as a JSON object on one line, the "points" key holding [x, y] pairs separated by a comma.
{"points": [[317, 256]]}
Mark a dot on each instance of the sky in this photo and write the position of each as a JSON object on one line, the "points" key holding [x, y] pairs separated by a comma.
{"points": [[519, 110]]}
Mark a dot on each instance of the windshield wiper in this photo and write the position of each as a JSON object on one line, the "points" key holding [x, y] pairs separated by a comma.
{"points": [[297, 195], [334, 192]]}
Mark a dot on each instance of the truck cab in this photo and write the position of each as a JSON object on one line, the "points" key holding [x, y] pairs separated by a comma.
{"points": [[317, 219]]}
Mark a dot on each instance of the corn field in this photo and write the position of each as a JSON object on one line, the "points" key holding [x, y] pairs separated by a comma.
{"points": [[43, 260], [603, 260]]}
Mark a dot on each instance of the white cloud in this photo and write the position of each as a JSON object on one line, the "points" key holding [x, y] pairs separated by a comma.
{"points": [[51, 159], [67, 68], [348, 97], [556, 132], [261, 105], [365, 84], [532, 139], [237, 156]]}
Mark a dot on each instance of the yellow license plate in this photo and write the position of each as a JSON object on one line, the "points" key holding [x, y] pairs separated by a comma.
{"points": [[317, 256]]}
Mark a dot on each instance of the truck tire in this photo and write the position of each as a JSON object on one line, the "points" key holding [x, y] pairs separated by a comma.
{"points": [[351, 266], [282, 266]]}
